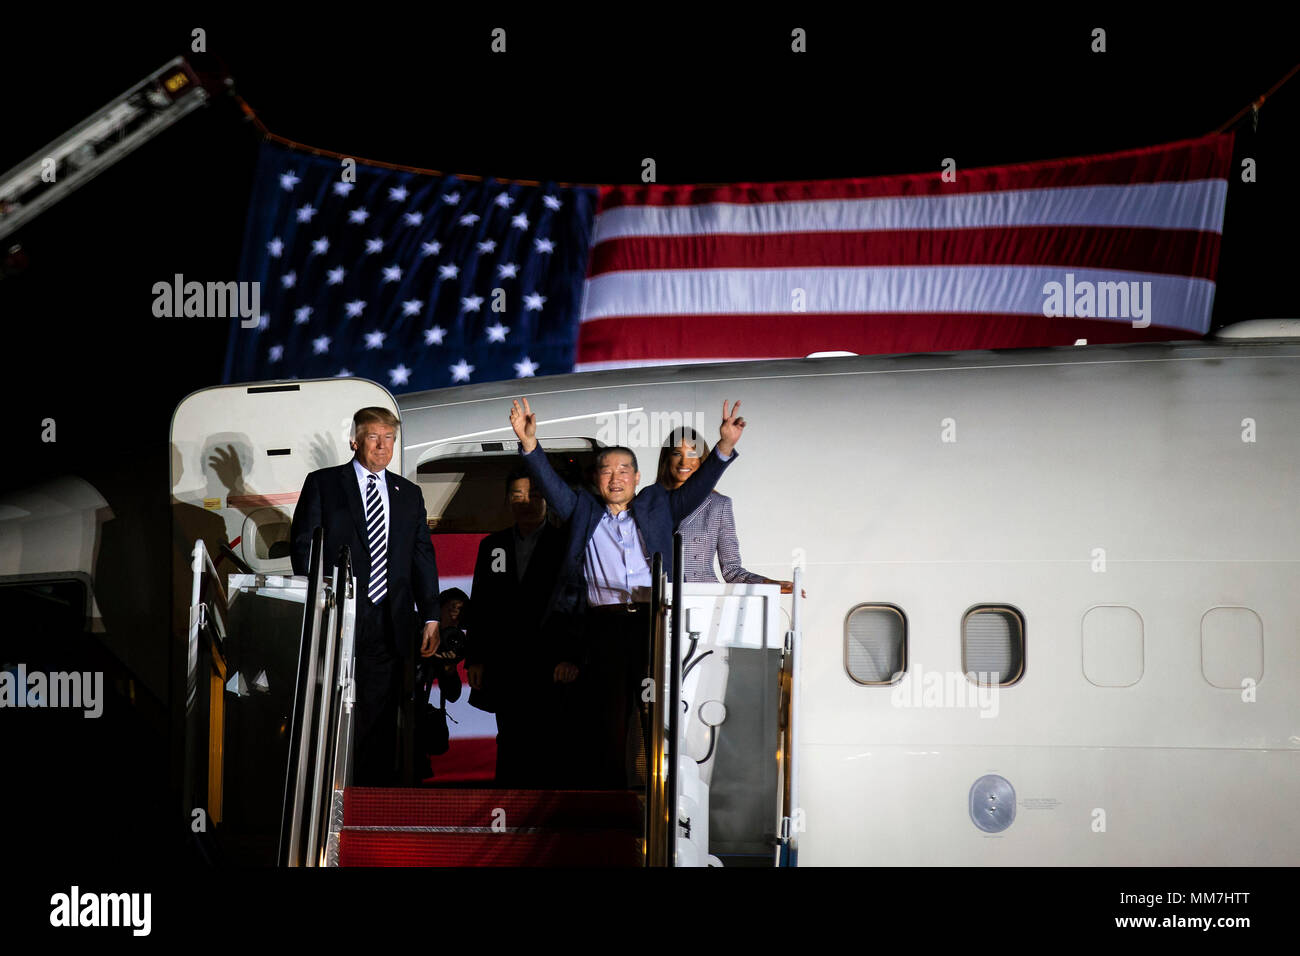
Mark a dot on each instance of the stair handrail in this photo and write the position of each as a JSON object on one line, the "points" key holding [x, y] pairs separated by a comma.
{"points": [[656, 808], [788, 850], [344, 724], [302, 720], [206, 617], [322, 755], [661, 759], [674, 697]]}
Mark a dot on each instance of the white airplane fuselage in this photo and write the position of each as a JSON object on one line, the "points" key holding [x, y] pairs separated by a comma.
{"points": [[1136, 505]]}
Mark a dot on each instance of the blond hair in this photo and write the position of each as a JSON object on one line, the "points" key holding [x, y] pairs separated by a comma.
{"points": [[368, 416]]}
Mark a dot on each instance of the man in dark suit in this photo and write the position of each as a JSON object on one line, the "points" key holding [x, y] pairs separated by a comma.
{"points": [[381, 518], [511, 669], [603, 592]]}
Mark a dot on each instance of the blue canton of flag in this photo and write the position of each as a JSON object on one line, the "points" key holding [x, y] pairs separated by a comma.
{"points": [[411, 280]]}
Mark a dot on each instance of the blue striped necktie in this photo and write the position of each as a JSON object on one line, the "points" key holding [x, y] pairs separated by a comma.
{"points": [[378, 538]]}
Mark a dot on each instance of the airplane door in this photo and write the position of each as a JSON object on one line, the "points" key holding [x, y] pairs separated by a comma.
{"points": [[240, 454]]}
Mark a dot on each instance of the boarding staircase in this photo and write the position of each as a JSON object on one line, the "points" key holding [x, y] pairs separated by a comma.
{"points": [[410, 827], [710, 758]]}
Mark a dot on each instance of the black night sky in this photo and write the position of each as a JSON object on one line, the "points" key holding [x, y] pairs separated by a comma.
{"points": [[579, 98], [711, 102]]}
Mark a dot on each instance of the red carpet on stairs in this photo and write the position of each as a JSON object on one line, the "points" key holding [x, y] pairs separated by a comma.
{"points": [[454, 827]]}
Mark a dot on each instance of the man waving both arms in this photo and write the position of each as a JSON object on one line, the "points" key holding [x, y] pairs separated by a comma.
{"points": [[601, 600]]}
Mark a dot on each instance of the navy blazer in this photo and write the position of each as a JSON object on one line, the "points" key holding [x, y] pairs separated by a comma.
{"points": [[504, 612], [656, 510], [331, 499]]}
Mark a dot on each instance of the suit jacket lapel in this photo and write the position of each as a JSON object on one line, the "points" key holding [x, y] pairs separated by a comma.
{"points": [[593, 520], [653, 502], [348, 475], [536, 560], [392, 500], [512, 556], [643, 511]]}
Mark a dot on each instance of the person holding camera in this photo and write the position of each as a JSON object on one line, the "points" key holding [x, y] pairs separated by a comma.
{"points": [[451, 647], [432, 738]]}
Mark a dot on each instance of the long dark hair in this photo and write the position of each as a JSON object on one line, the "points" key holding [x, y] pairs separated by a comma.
{"points": [[683, 435]]}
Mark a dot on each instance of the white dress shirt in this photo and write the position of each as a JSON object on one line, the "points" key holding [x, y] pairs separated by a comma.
{"points": [[381, 485]]}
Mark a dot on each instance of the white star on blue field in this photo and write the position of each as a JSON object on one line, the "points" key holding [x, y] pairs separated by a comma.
{"points": [[412, 280]]}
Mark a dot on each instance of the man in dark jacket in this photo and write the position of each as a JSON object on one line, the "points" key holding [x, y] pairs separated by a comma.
{"points": [[603, 591], [512, 670]]}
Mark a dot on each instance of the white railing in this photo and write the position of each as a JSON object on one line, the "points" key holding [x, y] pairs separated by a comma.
{"points": [[322, 726], [205, 675], [736, 730]]}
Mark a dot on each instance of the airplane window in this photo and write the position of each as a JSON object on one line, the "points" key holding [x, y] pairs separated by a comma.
{"points": [[38, 614], [1232, 647], [993, 645], [1112, 646], [271, 534], [464, 490], [875, 644]]}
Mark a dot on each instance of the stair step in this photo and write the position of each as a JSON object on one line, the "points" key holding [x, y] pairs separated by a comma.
{"points": [[597, 849], [491, 811]]}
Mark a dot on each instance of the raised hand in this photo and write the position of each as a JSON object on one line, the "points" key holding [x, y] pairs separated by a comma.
{"points": [[524, 423], [732, 426], [226, 466], [323, 452]]}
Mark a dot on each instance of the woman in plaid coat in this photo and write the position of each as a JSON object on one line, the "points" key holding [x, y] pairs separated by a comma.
{"points": [[711, 528]]}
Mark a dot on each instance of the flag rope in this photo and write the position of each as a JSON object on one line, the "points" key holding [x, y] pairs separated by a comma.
{"points": [[316, 151], [1255, 104]]}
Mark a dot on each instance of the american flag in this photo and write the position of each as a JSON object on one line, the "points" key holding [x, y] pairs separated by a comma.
{"points": [[898, 264], [392, 278], [414, 281]]}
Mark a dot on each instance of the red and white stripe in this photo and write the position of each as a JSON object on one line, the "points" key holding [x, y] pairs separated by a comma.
{"points": [[902, 263]]}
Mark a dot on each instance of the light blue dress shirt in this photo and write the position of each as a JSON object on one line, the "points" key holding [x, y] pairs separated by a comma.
{"points": [[616, 568]]}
